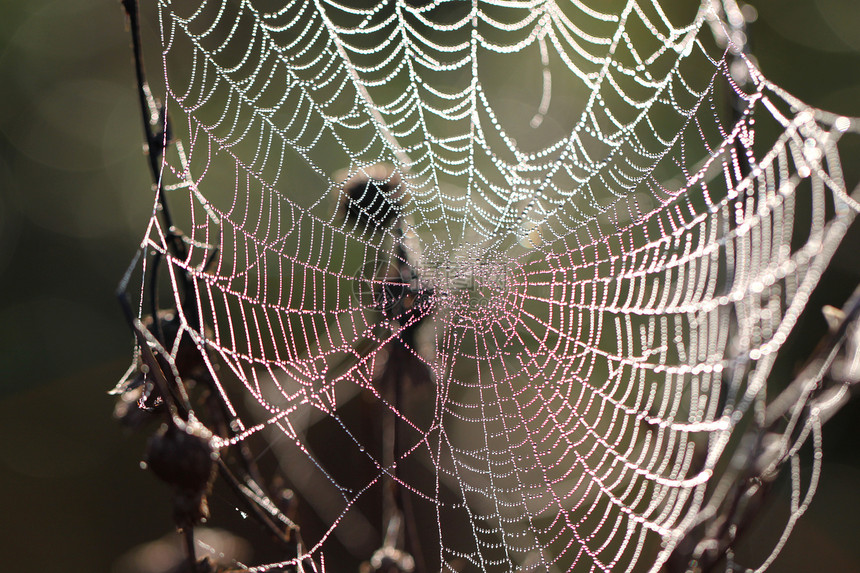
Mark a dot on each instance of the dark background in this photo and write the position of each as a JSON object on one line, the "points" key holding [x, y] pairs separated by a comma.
{"points": [[74, 200]]}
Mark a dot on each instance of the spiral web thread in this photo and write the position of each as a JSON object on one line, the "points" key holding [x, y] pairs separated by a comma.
{"points": [[611, 262]]}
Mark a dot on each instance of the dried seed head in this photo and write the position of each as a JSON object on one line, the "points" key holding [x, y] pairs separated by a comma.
{"points": [[182, 455], [371, 198]]}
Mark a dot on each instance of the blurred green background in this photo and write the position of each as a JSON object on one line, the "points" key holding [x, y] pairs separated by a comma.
{"points": [[74, 200]]}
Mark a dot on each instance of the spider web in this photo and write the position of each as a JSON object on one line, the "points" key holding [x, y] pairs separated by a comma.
{"points": [[605, 260]]}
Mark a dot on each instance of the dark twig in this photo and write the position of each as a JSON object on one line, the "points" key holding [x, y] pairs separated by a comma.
{"points": [[763, 451], [152, 113], [819, 365], [183, 453], [755, 465], [288, 538], [371, 201]]}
